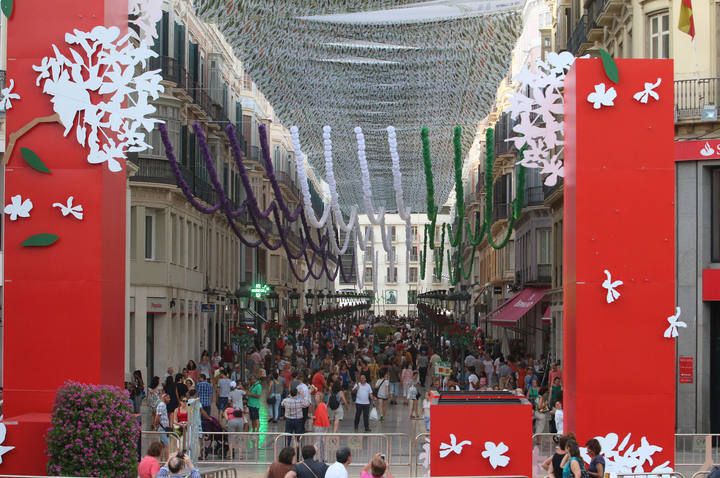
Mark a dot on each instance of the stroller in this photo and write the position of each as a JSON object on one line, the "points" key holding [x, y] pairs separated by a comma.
{"points": [[214, 441]]}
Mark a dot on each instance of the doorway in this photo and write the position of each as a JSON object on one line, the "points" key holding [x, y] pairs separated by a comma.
{"points": [[150, 346], [714, 366]]}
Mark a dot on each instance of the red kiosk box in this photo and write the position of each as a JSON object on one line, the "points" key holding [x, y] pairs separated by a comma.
{"points": [[480, 434]]}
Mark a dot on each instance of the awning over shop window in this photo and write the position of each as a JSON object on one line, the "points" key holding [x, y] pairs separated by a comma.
{"points": [[547, 315], [513, 310]]}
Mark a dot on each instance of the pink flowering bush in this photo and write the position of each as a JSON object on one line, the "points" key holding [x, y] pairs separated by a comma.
{"points": [[93, 433]]}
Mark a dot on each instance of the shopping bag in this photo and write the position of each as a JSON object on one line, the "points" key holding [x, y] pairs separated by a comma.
{"points": [[374, 414]]}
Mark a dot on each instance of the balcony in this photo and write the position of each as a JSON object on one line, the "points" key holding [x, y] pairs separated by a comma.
{"points": [[578, 40], [595, 9], [285, 180], [696, 100], [501, 211], [534, 196], [503, 131], [151, 170], [544, 273]]}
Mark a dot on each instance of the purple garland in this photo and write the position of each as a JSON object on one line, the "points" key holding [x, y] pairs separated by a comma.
{"points": [[320, 249]]}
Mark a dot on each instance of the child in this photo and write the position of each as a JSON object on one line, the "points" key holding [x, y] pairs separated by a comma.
{"points": [[412, 396], [426, 409]]}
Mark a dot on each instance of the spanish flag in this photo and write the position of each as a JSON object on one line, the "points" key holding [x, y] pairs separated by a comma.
{"points": [[686, 23]]}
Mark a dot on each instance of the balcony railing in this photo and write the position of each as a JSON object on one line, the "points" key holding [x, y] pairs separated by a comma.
{"points": [[503, 131], [595, 8], [170, 69], [285, 180], [534, 196], [697, 99], [544, 273], [501, 211], [152, 170], [579, 35]]}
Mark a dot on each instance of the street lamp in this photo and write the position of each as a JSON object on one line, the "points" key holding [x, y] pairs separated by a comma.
{"points": [[243, 296], [309, 298], [321, 295], [294, 297], [273, 300]]}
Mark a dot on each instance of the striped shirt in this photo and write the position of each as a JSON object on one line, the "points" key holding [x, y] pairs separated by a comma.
{"points": [[294, 407]]}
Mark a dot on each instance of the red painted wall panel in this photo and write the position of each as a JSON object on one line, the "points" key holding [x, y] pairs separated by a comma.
{"points": [[64, 304], [619, 215], [507, 423]]}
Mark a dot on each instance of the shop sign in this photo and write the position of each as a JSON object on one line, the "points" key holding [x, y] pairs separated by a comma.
{"points": [[157, 305], [209, 308], [686, 369], [443, 368], [703, 150]]}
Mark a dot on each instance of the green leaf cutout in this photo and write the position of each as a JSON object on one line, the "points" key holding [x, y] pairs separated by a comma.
{"points": [[40, 240], [611, 69], [7, 7], [34, 160]]}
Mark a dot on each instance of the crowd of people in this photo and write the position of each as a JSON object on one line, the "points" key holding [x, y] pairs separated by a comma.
{"points": [[314, 378]]}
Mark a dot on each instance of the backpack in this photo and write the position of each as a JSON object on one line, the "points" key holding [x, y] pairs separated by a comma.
{"points": [[715, 472], [333, 403]]}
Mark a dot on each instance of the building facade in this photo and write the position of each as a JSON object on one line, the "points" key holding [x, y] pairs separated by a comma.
{"points": [[396, 284], [185, 266]]}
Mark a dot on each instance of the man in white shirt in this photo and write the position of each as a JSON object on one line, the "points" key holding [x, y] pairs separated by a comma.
{"points": [[363, 396], [236, 395], [559, 418], [305, 394], [339, 468]]}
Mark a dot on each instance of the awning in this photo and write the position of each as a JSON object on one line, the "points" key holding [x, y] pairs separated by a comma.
{"points": [[547, 315], [511, 311]]}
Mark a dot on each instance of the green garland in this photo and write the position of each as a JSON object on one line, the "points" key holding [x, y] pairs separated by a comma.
{"points": [[456, 268]]}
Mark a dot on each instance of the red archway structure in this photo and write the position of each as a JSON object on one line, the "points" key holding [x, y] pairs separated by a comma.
{"points": [[619, 216], [65, 302]]}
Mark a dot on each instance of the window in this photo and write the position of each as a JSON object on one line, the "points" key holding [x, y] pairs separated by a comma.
{"points": [[414, 233], [391, 274], [391, 296], [150, 236], [368, 274], [660, 35], [413, 274], [412, 297], [393, 233], [414, 253], [543, 245]]}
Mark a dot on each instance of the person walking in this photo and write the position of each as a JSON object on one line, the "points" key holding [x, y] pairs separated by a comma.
{"points": [[597, 461], [336, 406], [205, 393], [382, 390], [254, 394], [162, 419], [293, 406], [274, 397], [553, 465], [572, 462], [363, 397], [224, 387]]}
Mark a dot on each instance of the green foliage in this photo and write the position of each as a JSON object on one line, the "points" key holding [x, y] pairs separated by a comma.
{"points": [[383, 331]]}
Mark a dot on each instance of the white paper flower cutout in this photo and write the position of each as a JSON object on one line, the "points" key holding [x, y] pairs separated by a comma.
{"points": [[496, 454], [624, 459], [424, 457], [3, 449], [672, 331], [453, 447], [611, 286], [18, 208], [99, 92], [7, 96], [146, 14], [602, 96], [67, 209], [648, 92], [542, 137]]}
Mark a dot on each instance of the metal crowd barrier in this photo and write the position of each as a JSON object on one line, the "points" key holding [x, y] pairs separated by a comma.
{"points": [[650, 474], [221, 473], [420, 463], [251, 448], [362, 445], [700, 474], [175, 442]]}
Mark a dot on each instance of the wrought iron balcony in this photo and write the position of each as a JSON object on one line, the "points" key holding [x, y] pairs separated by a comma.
{"points": [[696, 100], [578, 40], [534, 196], [153, 170], [285, 180], [501, 211]]}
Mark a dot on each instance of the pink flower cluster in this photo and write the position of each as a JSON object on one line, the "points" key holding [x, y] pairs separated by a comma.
{"points": [[93, 433]]}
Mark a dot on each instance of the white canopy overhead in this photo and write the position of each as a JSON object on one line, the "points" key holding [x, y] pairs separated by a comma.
{"points": [[375, 63]]}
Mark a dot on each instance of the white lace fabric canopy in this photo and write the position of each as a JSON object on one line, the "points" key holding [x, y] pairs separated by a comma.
{"points": [[375, 63]]}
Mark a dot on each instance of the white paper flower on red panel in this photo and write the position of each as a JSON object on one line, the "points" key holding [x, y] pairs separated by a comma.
{"points": [[146, 14], [621, 457], [496, 454], [648, 92], [3, 432], [18, 208], [611, 286], [602, 96], [7, 96], [453, 446], [674, 320], [102, 90], [67, 209]]}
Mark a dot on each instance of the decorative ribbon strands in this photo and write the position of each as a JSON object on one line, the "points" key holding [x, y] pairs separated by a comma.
{"points": [[462, 236], [261, 220]]}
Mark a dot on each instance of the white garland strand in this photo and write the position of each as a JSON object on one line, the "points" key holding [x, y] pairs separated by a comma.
{"points": [[330, 179], [397, 185], [304, 187]]}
